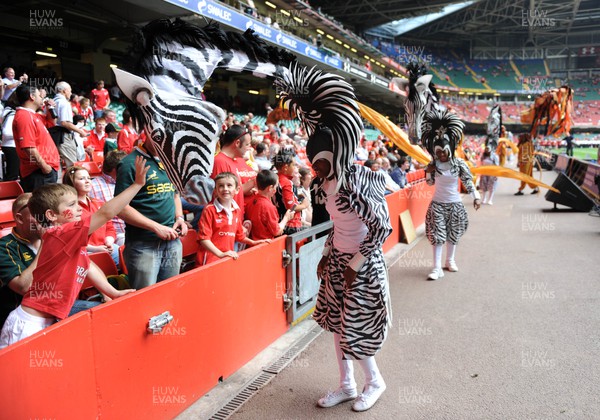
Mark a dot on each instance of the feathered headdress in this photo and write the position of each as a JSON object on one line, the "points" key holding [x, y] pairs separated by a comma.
{"points": [[442, 129], [324, 99]]}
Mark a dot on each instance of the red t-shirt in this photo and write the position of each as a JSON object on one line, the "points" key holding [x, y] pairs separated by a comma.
{"points": [[30, 131], [215, 226], [99, 99], [238, 166], [62, 267], [126, 139], [96, 141], [88, 114], [290, 200], [90, 207], [261, 211]]}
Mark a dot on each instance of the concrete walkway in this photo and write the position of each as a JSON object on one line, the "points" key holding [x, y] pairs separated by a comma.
{"points": [[513, 335]]}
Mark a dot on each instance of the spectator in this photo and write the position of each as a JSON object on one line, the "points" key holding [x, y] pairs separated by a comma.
{"points": [[10, 83], [68, 146], [128, 137], [38, 156], [17, 257], [399, 172], [235, 143], [97, 137], [286, 198], [153, 221], [362, 153], [111, 118], [62, 265], [304, 194], [103, 239], [86, 111], [262, 212], [262, 157], [103, 189], [112, 132], [79, 122], [221, 223], [100, 99], [8, 141]]}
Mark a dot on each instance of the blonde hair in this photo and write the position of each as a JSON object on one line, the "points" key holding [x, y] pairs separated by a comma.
{"points": [[48, 197]]}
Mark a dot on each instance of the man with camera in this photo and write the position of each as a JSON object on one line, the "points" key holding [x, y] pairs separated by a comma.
{"points": [[67, 146], [10, 83], [38, 156]]}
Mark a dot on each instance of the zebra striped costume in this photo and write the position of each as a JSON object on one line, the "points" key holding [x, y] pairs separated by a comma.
{"points": [[172, 60], [360, 314], [448, 221]]}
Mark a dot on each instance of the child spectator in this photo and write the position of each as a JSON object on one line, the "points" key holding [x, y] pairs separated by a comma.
{"points": [[286, 198], [86, 111], [103, 240], [63, 262], [221, 223], [304, 194], [262, 212]]}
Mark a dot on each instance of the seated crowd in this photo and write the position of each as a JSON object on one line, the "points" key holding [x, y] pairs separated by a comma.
{"points": [[263, 188]]}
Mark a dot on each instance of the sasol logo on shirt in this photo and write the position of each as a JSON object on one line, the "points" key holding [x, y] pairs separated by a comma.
{"points": [[160, 188]]}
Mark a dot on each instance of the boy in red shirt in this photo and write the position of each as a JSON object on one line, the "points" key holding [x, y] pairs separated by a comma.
{"points": [[221, 223], [286, 198], [262, 212], [63, 262]]}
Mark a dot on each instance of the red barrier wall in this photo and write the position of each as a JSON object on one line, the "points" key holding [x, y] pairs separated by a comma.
{"points": [[103, 363], [224, 315]]}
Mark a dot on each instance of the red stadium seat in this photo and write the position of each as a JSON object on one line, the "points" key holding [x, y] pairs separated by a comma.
{"points": [[189, 245], [92, 167], [10, 189], [105, 262], [6, 216]]}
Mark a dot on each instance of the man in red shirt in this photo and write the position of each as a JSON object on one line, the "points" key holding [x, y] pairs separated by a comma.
{"points": [[38, 155], [100, 99], [235, 144], [97, 138], [128, 137]]}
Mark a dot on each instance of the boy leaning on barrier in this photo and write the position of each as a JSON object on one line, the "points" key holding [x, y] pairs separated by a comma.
{"points": [[63, 262]]}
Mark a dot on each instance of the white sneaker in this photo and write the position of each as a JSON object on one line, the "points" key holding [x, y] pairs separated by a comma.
{"points": [[490, 203], [366, 399], [336, 397], [435, 274], [451, 266]]}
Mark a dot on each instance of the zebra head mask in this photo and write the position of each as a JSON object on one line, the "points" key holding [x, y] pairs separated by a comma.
{"points": [[421, 98], [494, 127], [442, 131], [172, 60]]}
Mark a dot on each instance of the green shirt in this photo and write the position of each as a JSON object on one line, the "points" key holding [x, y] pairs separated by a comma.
{"points": [[156, 199], [15, 256]]}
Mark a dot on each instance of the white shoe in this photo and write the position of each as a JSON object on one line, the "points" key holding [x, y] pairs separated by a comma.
{"points": [[490, 203], [435, 274], [336, 397], [451, 266], [366, 399]]}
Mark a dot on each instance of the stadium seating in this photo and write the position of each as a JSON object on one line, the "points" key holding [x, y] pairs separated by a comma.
{"points": [[10, 189]]}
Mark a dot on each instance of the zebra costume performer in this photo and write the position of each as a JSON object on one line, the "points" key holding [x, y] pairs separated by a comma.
{"points": [[446, 220], [353, 301]]}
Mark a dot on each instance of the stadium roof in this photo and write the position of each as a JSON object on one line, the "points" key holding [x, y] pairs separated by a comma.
{"points": [[493, 23]]}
